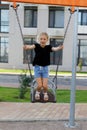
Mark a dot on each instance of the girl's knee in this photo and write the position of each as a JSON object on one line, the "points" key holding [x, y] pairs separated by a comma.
{"points": [[39, 87], [45, 88]]}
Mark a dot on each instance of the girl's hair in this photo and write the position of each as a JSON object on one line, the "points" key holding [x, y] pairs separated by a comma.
{"points": [[44, 33]]}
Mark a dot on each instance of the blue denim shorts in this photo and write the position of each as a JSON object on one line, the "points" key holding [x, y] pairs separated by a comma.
{"points": [[41, 71]]}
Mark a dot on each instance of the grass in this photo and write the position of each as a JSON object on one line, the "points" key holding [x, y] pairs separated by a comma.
{"points": [[64, 96], [11, 71], [8, 94]]}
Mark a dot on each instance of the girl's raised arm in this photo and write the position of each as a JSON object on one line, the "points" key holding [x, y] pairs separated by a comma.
{"points": [[57, 48], [28, 47]]}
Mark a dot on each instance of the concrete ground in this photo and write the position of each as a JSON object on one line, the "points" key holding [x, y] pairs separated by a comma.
{"points": [[42, 125]]}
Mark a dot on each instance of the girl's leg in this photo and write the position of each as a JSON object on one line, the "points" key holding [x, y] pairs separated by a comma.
{"points": [[38, 89], [45, 84], [45, 88], [39, 83]]}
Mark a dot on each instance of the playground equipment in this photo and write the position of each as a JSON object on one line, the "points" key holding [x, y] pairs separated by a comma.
{"points": [[75, 3], [51, 92], [52, 84]]}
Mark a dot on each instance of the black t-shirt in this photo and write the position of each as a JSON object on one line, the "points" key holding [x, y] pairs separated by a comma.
{"points": [[42, 55]]}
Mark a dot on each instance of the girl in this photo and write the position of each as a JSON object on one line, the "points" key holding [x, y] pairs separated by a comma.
{"points": [[41, 62]]}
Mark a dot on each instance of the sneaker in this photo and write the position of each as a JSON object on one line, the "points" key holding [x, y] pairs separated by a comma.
{"points": [[37, 95], [45, 97]]}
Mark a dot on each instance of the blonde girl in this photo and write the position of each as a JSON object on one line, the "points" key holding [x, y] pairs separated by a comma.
{"points": [[41, 62]]}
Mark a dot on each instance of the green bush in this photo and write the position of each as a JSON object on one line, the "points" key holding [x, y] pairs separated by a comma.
{"points": [[25, 81]]}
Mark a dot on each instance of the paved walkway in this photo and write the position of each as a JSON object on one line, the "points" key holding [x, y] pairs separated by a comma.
{"points": [[41, 116], [40, 111]]}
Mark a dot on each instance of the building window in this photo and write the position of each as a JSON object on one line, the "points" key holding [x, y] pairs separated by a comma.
{"points": [[4, 49], [82, 52], [4, 2], [28, 54], [56, 57], [4, 18], [82, 17], [56, 17], [30, 16]]}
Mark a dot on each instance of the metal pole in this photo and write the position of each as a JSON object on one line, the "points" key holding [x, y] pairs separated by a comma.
{"points": [[73, 84], [71, 122]]}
